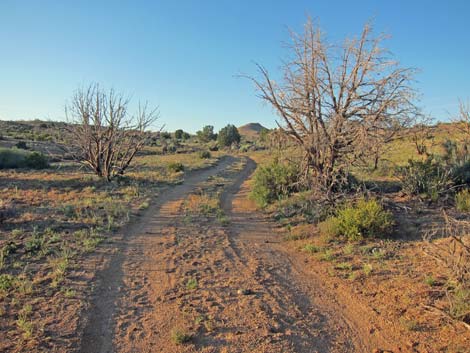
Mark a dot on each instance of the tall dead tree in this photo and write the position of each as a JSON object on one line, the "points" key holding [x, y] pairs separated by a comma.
{"points": [[104, 136], [333, 98]]}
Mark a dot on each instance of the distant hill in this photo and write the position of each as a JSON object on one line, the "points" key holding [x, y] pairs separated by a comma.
{"points": [[251, 129]]}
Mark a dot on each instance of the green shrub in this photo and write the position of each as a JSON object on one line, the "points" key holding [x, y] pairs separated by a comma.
{"points": [[6, 282], [179, 134], [204, 155], [363, 219], [311, 248], [462, 200], [11, 158], [428, 178], [21, 145], [228, 136], [176, 167], [36, 160], [274, 181], [461, 174], [15, 158], [33, 245]]}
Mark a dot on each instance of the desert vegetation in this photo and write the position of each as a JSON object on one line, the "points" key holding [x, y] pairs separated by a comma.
{"points": [[345, 228]]}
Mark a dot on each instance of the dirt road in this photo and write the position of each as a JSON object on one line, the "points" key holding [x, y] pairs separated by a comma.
{"points": [[180, 284]]}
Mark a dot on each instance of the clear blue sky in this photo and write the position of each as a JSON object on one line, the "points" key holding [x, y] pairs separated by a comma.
{"points": [[184, 55]]}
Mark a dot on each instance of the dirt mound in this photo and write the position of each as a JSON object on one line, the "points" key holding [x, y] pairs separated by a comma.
{"points": [[251, 129]]}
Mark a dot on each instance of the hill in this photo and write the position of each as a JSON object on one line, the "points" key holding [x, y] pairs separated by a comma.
{"points": [[251, 129]]}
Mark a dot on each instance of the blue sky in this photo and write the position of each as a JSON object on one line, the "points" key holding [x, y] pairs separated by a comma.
{"points": [[185, 55]]}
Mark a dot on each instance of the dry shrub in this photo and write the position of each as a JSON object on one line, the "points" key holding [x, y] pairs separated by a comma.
{"points": [[454, 253], [201, 203]]}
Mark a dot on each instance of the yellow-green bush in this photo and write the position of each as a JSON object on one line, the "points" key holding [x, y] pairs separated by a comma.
{"points": [[274, 181], [355, 221]]}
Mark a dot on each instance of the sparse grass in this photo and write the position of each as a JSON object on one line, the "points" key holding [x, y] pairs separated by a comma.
{"points": [[179, 336], [327, 255], [202, 204], [311, 249]]}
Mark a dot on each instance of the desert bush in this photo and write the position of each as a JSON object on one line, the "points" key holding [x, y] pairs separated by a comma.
{"points": [[11, 158], [304, 204], [428, 178], [175, 167], [274, 181], [165, 135], [36, 160], [355, 221], [462, 200], [21, 145], [179, 134], [171, 148], [228, 136], [15, 158], [206, 134], [204, 155], [461, 174]]}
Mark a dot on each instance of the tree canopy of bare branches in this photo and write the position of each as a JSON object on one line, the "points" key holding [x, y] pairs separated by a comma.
{"points": [[334, 99], [104, 136]]}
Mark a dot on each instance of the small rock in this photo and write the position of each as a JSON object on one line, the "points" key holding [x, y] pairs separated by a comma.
{"points": [[245, 291]]}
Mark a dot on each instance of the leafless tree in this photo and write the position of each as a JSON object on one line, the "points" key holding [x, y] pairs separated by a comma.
{"points": [[333, 98], [104, 136]]}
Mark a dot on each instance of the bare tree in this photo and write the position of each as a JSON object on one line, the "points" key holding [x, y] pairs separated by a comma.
{"points": [[104, 136], [333, 98]]}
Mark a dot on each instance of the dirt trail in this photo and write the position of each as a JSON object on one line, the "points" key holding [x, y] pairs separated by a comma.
{"points": [[98, 328], [225, 288]]}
